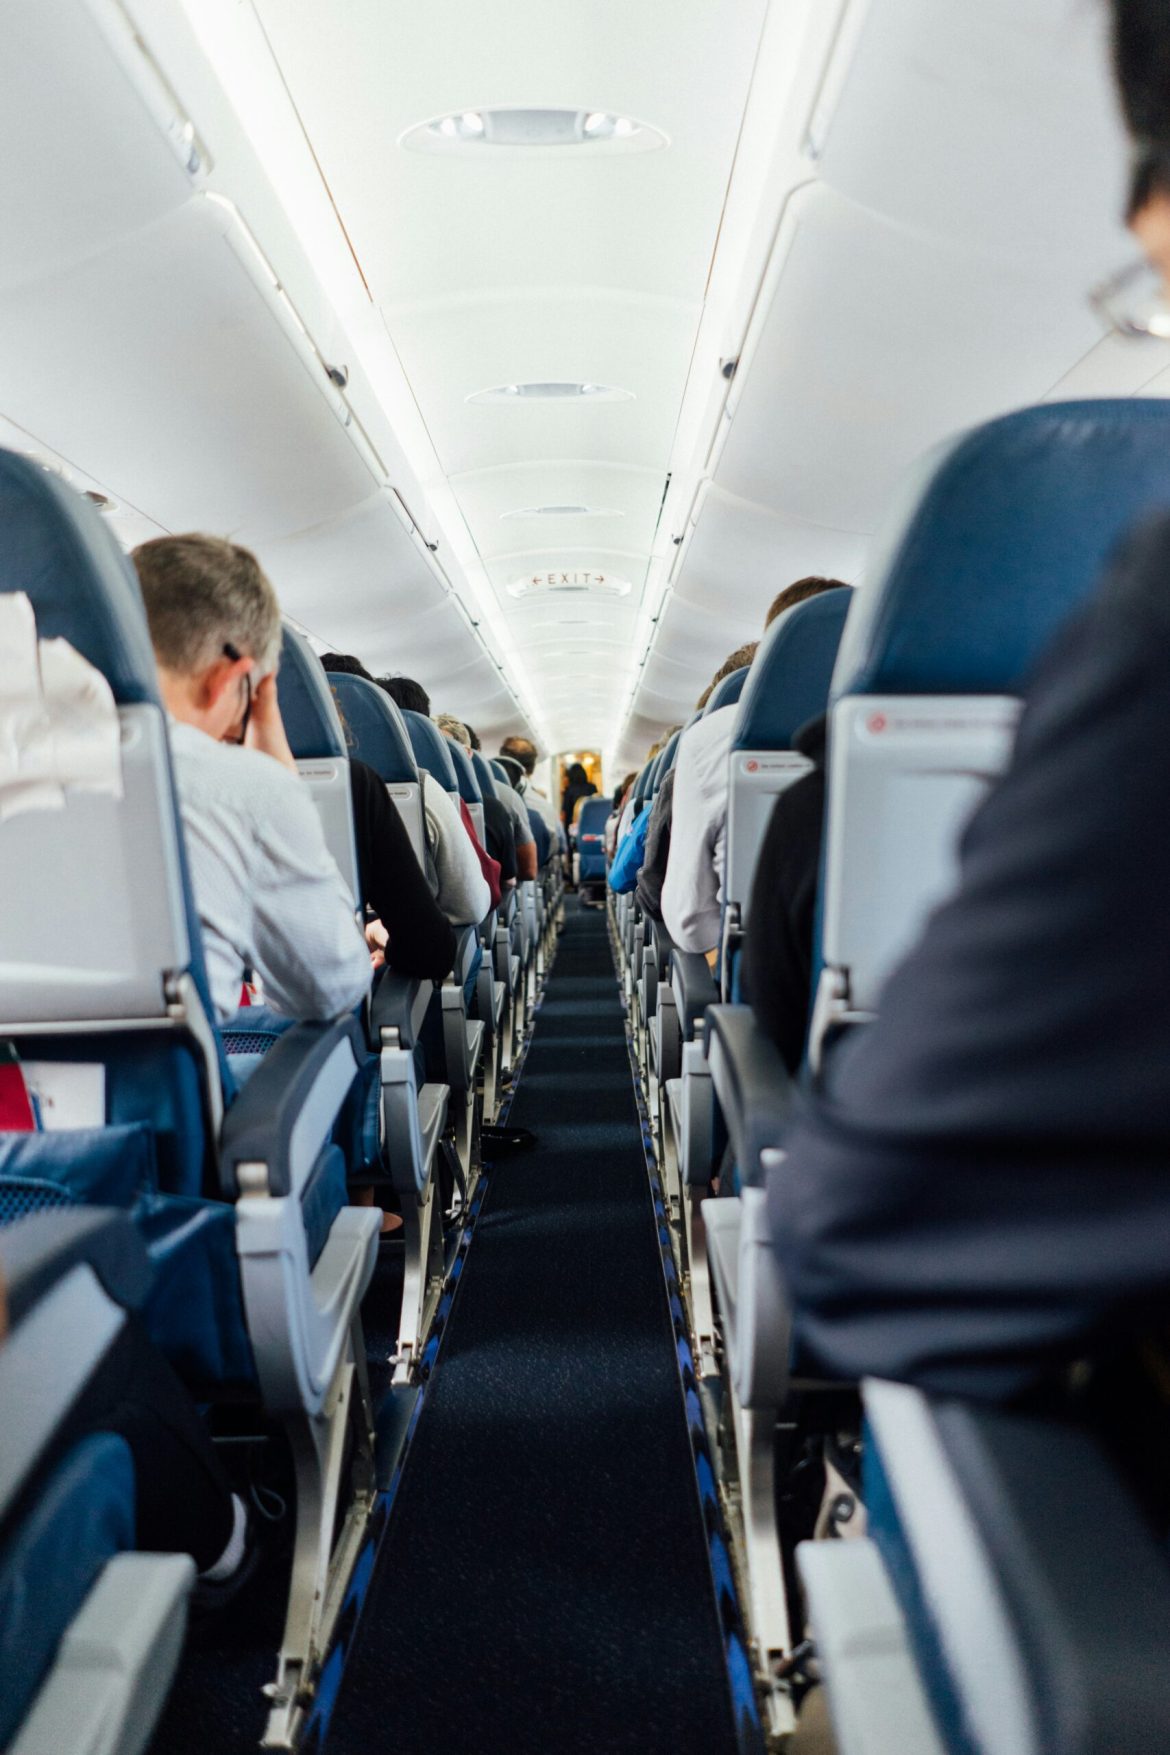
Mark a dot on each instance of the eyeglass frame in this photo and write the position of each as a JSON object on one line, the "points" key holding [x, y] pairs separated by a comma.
{"points": [[1149, 170], [233, 652]]}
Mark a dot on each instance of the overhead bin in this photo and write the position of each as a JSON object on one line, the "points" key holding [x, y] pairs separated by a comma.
{"points": [[877, 343]]}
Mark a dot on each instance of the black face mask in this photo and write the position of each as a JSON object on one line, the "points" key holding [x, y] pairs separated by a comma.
{"points": [[231, 652]]}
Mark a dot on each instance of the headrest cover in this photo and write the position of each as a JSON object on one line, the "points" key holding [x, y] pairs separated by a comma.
{"points": [[377, 734], [790, 676], [1000, 535], [82, 587], [431, 750], [469, 790], [727, 692], [483, 773], [306, 702]]}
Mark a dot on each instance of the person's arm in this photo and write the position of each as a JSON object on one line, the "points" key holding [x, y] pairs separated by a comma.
{"points": [[307, 947], [777, 944], [690, 891], [981, 1194], [654, 863], [394, 885], [463, 895], [500, 839]]}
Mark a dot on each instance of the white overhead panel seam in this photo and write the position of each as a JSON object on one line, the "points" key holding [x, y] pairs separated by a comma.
{"points": [[164, 104], [716, 416]]}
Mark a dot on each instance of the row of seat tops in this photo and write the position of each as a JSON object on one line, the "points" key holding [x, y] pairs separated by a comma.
{"points": [[969, 578], [396, 743]]}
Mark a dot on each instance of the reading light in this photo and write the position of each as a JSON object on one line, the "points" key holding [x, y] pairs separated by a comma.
{"points": [[563, 512], [513, 126], [553, 390]]}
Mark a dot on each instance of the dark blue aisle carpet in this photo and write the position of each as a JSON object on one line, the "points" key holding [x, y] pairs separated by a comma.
{"points": [[544, 1585]]}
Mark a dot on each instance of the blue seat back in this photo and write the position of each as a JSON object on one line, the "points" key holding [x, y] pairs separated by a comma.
{"points": [[996, 541], [432, 751], [488, 784], [317, 740], [726, 692], [595, 813], [131, 993], [641, 792], [787, 685], [378, 736], [469, 787]]}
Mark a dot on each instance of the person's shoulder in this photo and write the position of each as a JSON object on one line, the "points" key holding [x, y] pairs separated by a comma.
{"points": [[1139, 580], [227, 774]]}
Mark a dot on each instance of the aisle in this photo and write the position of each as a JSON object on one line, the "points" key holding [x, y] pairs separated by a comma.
{"points": [[544, 1586]]}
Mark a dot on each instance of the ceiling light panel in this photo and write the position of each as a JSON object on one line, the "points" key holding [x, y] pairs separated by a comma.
{"points": [[515, 129], [555, 390]]}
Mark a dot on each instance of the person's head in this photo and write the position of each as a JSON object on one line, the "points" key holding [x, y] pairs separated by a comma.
{"points": [[737, 660], [1141, 64], [516, 775], [473, 734], [577, 775], [623, 789], [215, 626], [454, 729], [344, 664], [522, 750], [799, 592], [406, 693]]}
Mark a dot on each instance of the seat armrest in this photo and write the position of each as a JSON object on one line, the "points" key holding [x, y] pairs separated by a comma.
{"points": [[664, 947], [39, 1251], [467, 943], [753, 1085], [1035, 1564], [694, 988], [285, 1111], [399, 1003]]}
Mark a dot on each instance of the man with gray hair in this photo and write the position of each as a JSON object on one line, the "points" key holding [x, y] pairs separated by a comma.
{"points": [[269, 895]]}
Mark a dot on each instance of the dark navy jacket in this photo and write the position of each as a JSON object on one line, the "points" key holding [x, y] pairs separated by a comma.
{"points": [[983, 1191]]}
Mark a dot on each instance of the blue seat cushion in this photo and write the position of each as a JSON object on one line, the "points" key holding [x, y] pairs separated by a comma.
{"points": [[82, 1517], [195, 1309], [84, 1166]]}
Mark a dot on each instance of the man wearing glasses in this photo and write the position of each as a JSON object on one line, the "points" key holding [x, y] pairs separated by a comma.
{"points": [[269, 895], [980, 1196]]}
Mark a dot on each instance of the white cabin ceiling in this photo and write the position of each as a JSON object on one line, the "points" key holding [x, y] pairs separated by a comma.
{"points": [[889, 211]]}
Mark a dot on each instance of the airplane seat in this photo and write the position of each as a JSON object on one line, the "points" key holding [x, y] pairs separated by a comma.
{"points": [[726, 691], [787, 686], [590, 856], [317, 738], [90, 1629], [999, 1545], [454, 1042], [506, 966], [995, 540], [240, 1196], [470, 790]]}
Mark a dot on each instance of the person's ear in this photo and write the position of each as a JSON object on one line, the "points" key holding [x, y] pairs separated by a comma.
{"points": [[220, 677]]}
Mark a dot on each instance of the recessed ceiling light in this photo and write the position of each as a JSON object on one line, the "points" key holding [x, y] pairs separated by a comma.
{"points": [[552, 390], [563, 512], [517, 127]]}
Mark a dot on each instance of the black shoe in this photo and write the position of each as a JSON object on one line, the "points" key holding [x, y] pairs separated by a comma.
{"points": [[508, 1139], [209, 1598]]}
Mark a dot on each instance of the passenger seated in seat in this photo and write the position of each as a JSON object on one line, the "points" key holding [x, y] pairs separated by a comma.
{"points": [[524, 751], [692, 891], [517, 790], [778, 938], [459, 886], [497, 819], [408, 931], [980, 1195], [183, 1502], [268, 893]]}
